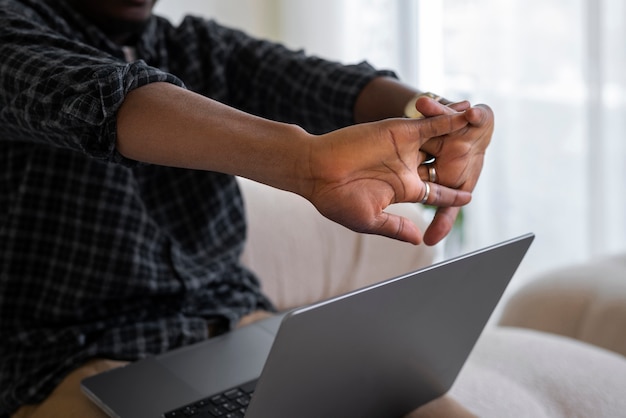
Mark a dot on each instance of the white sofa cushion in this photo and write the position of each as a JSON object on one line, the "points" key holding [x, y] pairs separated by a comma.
{"points": [[520, 373], [584, 301], [302, 257]]}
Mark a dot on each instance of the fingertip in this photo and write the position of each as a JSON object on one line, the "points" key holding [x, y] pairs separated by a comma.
{"points": [[431, 240], [474, 114], [466, 197], [417, 241], [430, 107], [460, 106], [441, 225], [432, 236], [410, 233], [478, 114]]}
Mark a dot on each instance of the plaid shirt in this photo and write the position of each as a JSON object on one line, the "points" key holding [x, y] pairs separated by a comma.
{"points": [[105, 257]]}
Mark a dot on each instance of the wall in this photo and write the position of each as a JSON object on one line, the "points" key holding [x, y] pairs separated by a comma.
{"points": [[258, 17], [342, 30]]}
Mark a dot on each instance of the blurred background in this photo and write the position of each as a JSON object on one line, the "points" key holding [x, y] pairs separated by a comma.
{"points": [[554, 71]]}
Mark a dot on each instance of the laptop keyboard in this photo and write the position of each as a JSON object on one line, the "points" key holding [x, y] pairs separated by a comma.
{"points": [[231, 403]]}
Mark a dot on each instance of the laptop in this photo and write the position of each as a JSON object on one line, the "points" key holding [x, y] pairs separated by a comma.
{"points": [[380, 351]]}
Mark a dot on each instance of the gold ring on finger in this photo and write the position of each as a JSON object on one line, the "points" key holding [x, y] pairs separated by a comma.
{"points": [[426, 193], [432, 173]]}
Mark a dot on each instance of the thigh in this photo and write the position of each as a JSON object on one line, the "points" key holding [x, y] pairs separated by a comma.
{"points": [[67, 400], [443, 407], [253, 317]]}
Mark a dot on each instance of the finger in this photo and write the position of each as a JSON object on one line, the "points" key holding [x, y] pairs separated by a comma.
{"points": [[460, 106], [441, 225], [428, 172], [425, 129], [429, 107], [397, 227], [434, 194], [479, 115], [434, 146]]}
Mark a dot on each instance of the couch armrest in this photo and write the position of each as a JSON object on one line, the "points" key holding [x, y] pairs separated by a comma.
{"points": [[586, 302], [522, 373], [302, 257]]}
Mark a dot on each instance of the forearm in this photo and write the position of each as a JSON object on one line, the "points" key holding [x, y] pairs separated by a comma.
{"points": [[384, 97], [163, 124]]}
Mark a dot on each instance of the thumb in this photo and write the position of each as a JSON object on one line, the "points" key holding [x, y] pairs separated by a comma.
{"points": [[429, 107]]}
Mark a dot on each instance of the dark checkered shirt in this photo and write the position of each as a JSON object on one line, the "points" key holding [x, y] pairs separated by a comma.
{"points": [[105, 257]]}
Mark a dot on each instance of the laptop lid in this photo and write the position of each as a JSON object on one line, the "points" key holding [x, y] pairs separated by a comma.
{"points": [[380, 351], [385, 350]]}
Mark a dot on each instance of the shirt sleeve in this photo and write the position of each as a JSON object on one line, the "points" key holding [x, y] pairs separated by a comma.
{"points": [[268, 79], [59, 91]]}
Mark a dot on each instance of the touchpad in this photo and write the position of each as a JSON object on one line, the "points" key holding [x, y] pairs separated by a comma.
{"points": [[221, 362]]}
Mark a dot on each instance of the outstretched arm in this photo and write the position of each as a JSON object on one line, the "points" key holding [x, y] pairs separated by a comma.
{"points": [[351, 175]]}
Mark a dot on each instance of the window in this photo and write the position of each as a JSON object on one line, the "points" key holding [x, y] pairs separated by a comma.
{"points": [[556, 164], [555, 74], [553, 71]]}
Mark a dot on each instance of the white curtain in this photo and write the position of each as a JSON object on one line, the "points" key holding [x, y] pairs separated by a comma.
{"points": [[554, 71]]}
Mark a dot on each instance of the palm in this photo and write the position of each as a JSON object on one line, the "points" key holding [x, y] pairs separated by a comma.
{"points": [[354, 188]]}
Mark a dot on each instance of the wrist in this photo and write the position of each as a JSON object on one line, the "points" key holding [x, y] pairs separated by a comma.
{"points": [[284, 159], [270, 152]]}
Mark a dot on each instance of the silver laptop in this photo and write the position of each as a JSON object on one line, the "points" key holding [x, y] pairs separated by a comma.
{"points": [[381, 351]]}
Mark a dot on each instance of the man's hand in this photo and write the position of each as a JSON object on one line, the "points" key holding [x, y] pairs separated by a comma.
{"points": [[356, 172], [459, 157]]}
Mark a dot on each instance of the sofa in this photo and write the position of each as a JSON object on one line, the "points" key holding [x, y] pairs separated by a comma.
{"points": [[556, 349]]}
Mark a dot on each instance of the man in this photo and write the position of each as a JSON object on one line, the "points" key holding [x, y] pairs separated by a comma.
{"points": [[121, 222]]}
